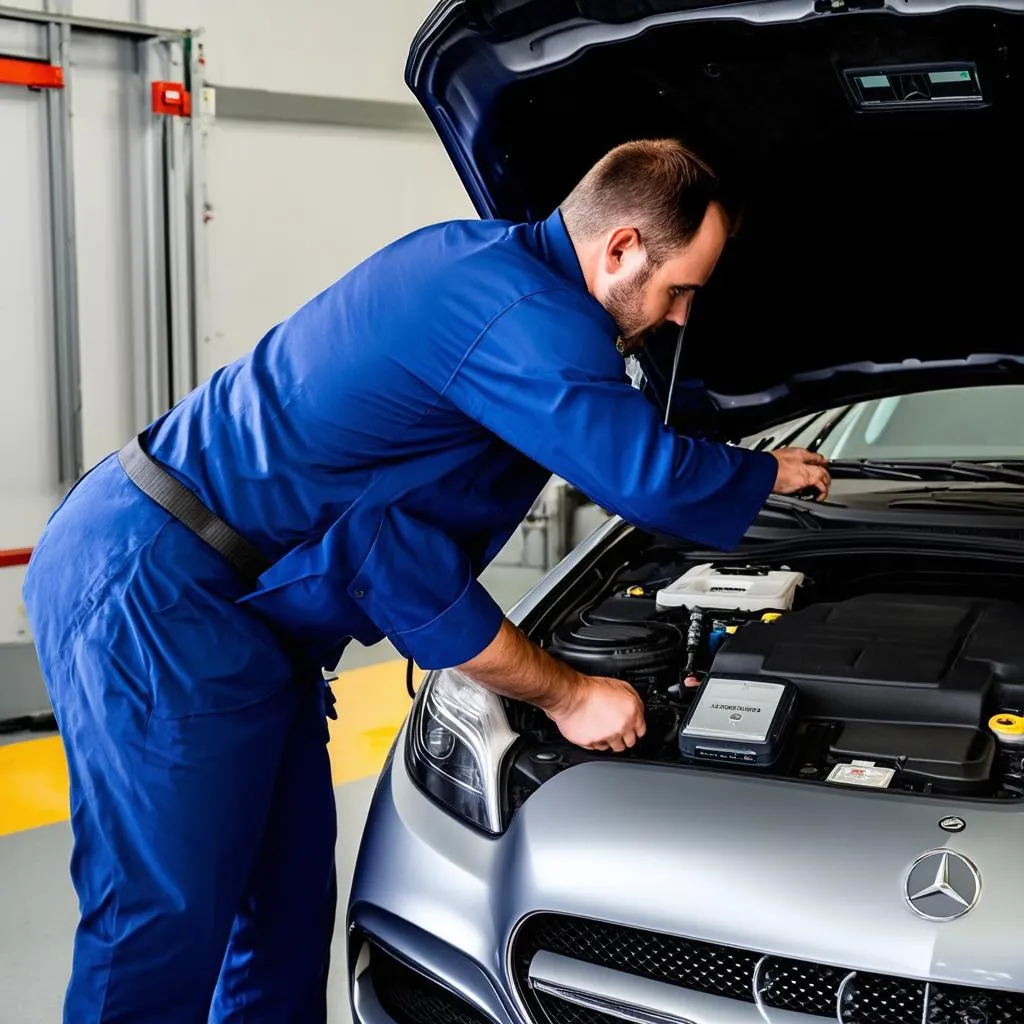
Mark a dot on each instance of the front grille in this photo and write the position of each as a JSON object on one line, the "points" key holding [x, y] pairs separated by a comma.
{"points": [[876, 999], [695, 965], [409, 998], [950, 1004], [800, 987], [558, 1011], [795, 985]]}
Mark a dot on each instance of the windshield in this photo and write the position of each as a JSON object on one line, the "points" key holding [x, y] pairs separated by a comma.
{"points": [[982, 423]]}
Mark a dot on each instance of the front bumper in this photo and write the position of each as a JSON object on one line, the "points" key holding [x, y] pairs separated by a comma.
{"points": [[786, 873]]}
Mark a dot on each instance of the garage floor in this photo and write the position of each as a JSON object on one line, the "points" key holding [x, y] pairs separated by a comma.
{"points": [[37, 903]]}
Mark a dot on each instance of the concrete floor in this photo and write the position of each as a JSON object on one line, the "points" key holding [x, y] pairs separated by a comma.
{"points": [[38, 910]]}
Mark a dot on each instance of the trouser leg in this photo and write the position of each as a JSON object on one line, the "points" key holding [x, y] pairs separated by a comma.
{"points": [[276, 966], [169, 816]]}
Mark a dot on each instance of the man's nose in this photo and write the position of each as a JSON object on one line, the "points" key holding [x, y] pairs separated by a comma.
{"points": [[680, 310]]}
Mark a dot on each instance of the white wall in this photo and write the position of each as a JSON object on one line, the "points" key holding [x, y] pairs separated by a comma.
{"points": [[295, 206], [326, 47]]}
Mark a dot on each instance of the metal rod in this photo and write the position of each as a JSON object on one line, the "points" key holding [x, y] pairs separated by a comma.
{"points": [[178, 197], [148, 286], [115, 28], [170, 268], [675, 371], [65, 269], [160, 337], [196, 133]]}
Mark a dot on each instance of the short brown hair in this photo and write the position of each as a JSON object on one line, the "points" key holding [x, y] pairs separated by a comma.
{"points": [[657, 186]]}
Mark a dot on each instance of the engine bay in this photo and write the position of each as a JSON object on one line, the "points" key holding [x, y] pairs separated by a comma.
{"points": [[885, 671]]}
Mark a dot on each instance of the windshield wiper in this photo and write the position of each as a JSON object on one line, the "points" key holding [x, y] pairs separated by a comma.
{"points": [[959, 501], [780, 509], [995, 471], [926, 469], [840, 468], [828, 427]]}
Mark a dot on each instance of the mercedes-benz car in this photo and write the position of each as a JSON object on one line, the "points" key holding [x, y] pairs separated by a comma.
{"points": [[824, 820]]}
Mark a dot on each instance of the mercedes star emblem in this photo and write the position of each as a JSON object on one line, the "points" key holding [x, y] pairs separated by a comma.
{"points": [[942, 886]]}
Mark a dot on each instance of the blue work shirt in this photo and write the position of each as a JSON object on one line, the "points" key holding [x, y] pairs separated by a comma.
{"points": [[382, 444]]}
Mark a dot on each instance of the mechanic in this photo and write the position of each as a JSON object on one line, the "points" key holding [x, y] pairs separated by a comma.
{"points": [[348, 480]]}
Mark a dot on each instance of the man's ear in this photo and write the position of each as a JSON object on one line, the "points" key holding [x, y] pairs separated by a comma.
{"points": [[623, 246]]}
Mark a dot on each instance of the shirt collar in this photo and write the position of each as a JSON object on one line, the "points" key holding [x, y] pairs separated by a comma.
{"points": [[558, 248]]}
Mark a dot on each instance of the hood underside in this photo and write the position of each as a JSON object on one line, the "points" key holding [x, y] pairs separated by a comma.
{"points": [[874, 152]]}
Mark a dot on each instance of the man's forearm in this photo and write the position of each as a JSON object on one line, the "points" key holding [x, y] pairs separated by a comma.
{"points": [[516, 668]]}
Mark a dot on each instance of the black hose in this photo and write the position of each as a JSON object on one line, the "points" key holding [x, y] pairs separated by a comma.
{"points": [[408, 679]]}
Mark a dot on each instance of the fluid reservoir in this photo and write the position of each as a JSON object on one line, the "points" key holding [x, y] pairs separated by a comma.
{"points": [[1008, 728], [748, 588]]}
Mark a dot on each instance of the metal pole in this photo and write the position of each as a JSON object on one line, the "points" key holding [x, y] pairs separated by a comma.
{"points": [[65, 269], [178, 173], [197, 134], [149, 283]]}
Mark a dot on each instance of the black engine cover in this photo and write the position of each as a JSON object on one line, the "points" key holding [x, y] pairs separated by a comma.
{"points": [[894, 658]]}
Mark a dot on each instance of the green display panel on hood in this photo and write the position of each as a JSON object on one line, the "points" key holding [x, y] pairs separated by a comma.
{"points": [[935, 86]]}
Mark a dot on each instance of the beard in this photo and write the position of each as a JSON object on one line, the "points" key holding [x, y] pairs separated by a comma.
{"points": [[625, 304]]}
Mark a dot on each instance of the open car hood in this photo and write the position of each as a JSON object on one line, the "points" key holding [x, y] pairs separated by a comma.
{"points": [[873, 142]]}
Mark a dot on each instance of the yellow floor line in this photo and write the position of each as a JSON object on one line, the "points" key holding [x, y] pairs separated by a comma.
{"points": [[33, 785], [372, 704]]}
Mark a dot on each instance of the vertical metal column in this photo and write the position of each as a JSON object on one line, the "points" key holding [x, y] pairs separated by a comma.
{"points": [[65, 272], [178, 175], [166, 236], [149, 286], [198, 134]]}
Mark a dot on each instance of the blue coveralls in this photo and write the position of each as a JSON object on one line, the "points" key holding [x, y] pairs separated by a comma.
{"points": [[379, 446]]}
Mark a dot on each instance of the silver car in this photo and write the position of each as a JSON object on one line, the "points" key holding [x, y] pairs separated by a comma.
{"points": [[824, 820]]}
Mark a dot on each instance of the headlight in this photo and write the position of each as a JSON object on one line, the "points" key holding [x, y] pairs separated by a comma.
{"points": [[458, 736]]}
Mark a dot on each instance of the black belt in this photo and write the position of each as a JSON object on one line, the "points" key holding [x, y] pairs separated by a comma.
{"points": [[174, 497]]}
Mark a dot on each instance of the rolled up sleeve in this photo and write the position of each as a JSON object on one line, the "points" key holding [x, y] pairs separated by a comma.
{"points": [[546, 378], [418, 586]]}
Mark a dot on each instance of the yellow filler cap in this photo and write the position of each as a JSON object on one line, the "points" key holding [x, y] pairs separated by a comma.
{"points": [[1007, 725]]}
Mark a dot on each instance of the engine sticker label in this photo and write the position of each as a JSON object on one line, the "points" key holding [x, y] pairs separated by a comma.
{"points": [[862, 775]]}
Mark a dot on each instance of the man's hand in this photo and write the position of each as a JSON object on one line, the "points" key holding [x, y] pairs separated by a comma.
{"points": [[590, 711], [801, 470], [601, 714]]}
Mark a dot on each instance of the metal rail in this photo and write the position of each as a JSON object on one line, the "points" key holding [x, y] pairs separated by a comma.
{"points": [[125, 29], [65, 268]]}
